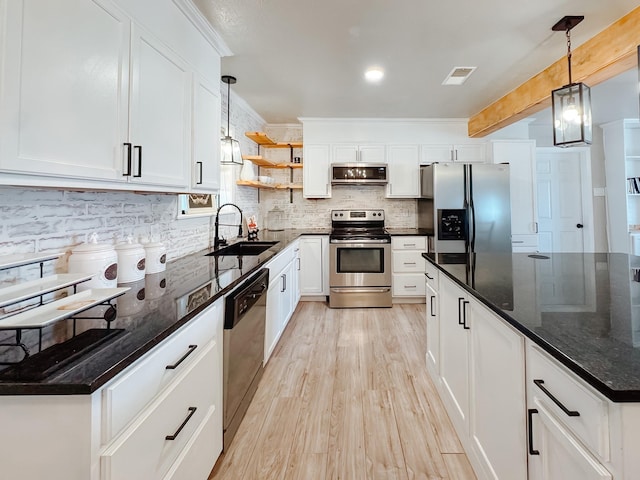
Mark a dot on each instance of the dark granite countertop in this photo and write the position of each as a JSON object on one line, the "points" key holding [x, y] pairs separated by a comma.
{"points": [[584, 309], [148, 313]]}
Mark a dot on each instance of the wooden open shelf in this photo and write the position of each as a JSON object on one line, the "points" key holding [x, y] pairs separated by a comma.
{"points": [[263, 140], [260, 161], [272, 186]]}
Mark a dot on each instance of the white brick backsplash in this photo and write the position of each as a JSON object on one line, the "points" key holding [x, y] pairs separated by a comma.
{"points": [[62, 210]]}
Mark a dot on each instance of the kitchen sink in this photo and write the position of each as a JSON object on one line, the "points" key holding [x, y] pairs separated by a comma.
{"points": [[243, 248]]}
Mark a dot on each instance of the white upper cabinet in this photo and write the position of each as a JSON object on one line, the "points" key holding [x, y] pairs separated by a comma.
{"points": [[359, 153], [88, 96], [462, 153], [65, 88], [316, 181], [205, 167], [160, 114], [403, 170]]}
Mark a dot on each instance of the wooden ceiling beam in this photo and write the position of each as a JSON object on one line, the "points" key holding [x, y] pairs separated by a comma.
{"points": [[609, 53]]}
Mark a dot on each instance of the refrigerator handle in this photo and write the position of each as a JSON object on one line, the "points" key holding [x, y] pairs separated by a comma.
{"points": [[473, 211], [466, 208]]}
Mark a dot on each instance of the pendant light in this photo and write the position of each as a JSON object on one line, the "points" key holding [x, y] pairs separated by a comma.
{"points": [[230, 146], [571, 104]]}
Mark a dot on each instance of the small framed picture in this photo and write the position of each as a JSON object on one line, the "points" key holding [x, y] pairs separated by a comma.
{"points": [[193, 204]]}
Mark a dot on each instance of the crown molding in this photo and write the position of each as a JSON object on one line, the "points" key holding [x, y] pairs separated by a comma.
{"points": [[196, 17]]}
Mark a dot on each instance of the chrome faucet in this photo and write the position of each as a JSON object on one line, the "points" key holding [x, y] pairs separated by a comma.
{"points": [[221, 241]]}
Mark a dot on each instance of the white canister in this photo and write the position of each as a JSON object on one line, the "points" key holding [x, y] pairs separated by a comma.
{"points": [[156, 260], [131, 261], [96, 258]]}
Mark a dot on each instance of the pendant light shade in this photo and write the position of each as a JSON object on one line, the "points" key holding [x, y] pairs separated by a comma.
{"points": [[231, 154], [571, 104]]}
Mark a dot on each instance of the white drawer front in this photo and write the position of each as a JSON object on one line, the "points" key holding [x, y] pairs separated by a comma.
{"points": [[142, 451], [409, 243], [591, 426], [280, 261], [131, 391], [409, 285], [408, 262], [199, 455], [432, 274]]}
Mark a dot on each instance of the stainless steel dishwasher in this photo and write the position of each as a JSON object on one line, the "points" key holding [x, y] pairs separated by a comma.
{"points": [[243, 349]]}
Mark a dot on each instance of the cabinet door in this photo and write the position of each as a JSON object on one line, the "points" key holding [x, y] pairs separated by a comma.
{"points": [[435, 153], [454, 353], [316, 182], [311, 266], [288, 293], [404, 167], [64, 95], [559, 454], [273, 322], [345, 154], [433, 330], [205, 175], [372, 154], [498, 399], [472, 153], [160, 114]]}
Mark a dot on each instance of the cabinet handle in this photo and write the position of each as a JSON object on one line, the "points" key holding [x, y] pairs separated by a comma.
{"points": [[284, 282], [530, 413], [456, 157], [199, 182], [183, 358], [409, 245], [192, 410], [139, 148], [409, 263], [464, 315], [128, 147], [409, 286], [570, 413], [428, 276], [298, 263], [460, 300], [431, 309], [536, 225], [451, 154]]}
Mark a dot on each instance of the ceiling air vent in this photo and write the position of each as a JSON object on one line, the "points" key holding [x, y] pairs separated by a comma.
{"points": [[458, 75]]}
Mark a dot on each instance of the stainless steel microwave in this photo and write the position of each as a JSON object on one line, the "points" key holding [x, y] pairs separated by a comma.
{"points": [[359, 173]]}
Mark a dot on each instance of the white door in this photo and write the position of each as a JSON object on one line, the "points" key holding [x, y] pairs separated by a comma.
{"points": [[433, 329], [404, 167], [315, 173], [565, 211], [160, 114], [64, 96], [311, 266]]}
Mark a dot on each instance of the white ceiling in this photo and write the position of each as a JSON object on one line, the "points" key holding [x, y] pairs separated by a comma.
{"points": [[305, 58]]}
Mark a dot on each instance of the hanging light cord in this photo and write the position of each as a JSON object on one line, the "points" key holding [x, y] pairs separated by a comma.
{"points": [[569, 53], [229, 97]]}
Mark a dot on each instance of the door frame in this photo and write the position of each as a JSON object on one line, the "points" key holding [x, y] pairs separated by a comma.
{"points": [[587, 189]]}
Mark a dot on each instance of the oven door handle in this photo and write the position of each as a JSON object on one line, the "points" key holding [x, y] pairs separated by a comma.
{"points": [[359, 242], [360, 290]]}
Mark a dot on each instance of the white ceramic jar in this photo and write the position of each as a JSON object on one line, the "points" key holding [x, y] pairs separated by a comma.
{"points": [[156, 257], [131, 261], [96, 258]]}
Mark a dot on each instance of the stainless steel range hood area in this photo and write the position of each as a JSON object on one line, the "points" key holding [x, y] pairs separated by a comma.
{"points": [[359, 174]]}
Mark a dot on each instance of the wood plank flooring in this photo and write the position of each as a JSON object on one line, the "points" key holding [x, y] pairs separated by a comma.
{"points": [[346, 396]]}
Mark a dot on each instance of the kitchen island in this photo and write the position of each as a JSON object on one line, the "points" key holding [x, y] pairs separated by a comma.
{"points": [[536, 359]]}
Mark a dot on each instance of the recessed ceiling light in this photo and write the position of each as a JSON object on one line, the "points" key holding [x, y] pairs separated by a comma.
{"points": [[374, 74], [458, 75]]}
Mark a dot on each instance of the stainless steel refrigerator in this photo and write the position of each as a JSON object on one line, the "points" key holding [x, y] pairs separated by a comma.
{"points": [[465, 207]]}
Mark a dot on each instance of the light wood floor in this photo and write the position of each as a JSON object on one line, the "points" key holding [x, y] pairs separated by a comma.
{"points": [[346, 395]]}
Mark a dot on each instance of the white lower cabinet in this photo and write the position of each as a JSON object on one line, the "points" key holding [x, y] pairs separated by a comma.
{"points": [[150, 422], [281, 295], [482, 382], [314, 264], [432, 319], [408, 266]]}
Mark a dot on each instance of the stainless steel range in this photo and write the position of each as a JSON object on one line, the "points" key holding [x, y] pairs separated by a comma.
{"points": [[360, 259]]}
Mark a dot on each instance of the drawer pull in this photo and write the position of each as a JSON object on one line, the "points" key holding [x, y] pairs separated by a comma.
{"points": [[409, 263], [428, 276], [530, 413], [431, 309], [184, 357], [128, 147], [409, 245], [464, 315], [570, 413], [192, 410], [460, 300]]}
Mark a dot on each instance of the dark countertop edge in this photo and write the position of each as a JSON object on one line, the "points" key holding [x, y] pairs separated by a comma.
{"points": [[617, 396], [35, 388], [409, 232]]}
